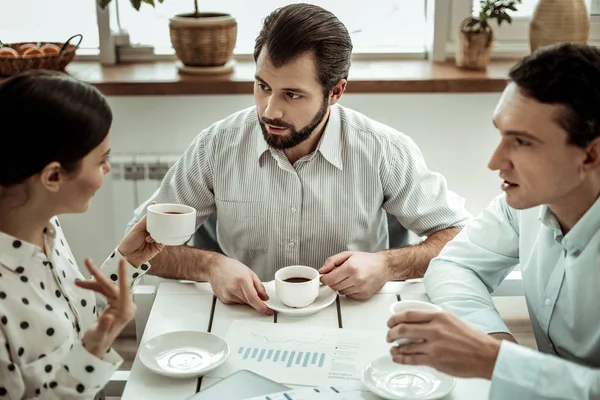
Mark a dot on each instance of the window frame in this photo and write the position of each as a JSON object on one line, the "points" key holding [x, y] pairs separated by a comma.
{"points": [[115, 47], [443, 19]]}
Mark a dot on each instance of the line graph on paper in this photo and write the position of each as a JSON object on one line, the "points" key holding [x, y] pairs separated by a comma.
{"points": [[298, 340]]}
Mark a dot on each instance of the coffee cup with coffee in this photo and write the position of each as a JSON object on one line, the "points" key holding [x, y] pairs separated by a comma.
{"points": [[405, 305], [171, 224], [297, 285]]}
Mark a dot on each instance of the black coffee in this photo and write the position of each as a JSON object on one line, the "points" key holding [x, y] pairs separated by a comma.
{"points": [[172, 212], [296, 280]]}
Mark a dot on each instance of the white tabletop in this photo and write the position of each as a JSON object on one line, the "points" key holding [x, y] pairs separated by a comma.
{"points": [[192, 306]]}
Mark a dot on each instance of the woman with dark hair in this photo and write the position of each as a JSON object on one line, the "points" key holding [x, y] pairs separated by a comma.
{"points": [[52, 343]]}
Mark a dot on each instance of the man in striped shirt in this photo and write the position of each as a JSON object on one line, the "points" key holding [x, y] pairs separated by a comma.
{"points": [[299, 179]]}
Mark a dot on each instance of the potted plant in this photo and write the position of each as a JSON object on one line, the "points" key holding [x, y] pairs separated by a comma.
{"points": [[202, 40], [476, 37]]}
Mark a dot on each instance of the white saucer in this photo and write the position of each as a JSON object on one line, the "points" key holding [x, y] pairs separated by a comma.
{"points": [[394, 381], [184, 354], [325, 298]]}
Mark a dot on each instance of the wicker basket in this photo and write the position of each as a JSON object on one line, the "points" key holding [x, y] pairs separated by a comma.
{"points": [[203, 39], [15, 65]]}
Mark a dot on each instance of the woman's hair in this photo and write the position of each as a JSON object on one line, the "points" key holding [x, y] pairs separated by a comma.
{"points": [[48, 116]]}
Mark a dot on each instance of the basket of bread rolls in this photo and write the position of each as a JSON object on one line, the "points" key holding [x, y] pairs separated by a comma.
{"points": [[19, 57]]}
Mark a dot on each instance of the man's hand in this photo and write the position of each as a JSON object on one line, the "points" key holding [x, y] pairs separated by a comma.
{"points": [[451, 345], [233, 283], [355, 274]]}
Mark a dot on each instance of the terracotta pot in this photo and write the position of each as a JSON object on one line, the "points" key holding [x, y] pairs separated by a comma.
{"points": [[556, 21]]}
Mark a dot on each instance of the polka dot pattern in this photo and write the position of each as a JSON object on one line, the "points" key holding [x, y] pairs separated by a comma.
{"points": [[34, 297]]}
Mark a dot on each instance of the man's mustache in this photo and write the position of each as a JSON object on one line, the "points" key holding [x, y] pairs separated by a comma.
{"points": [[276, 123]]}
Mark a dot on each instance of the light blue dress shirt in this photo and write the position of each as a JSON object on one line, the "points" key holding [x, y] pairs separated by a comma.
{"points": [[561, 281]]}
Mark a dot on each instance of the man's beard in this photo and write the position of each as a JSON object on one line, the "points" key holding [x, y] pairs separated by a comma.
{"points": [[294, 137]]}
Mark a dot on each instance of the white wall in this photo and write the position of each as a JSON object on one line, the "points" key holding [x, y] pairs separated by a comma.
{"points": [[454, 131]]}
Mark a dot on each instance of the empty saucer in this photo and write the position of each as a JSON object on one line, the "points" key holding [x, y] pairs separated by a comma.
{"points": [[325, 298], [184, 354], [394, 381]]}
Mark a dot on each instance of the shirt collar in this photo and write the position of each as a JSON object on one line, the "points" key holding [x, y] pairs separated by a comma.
{"points": [[329, 145], [16, 253], [546, 216], [580, 235], [261, 144], [587, 226]]}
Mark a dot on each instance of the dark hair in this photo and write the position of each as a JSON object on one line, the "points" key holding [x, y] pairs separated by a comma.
{"points": [[48, 116], [300, 28], [566, 74]]}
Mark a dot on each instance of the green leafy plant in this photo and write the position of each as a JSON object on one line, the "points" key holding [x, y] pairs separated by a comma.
{"points": [[490, 10], [138, 3]]}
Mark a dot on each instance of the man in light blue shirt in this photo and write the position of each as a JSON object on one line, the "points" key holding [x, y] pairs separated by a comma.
{"points": [[548, 222]]}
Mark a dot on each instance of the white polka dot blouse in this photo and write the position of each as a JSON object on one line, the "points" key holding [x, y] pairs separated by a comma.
{"points": [[43, 317]]}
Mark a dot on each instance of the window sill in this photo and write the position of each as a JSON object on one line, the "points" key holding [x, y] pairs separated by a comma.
{"points": [[384, 76]]}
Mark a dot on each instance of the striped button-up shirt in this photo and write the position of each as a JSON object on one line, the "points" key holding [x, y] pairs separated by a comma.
{"points": [[271, 213]]}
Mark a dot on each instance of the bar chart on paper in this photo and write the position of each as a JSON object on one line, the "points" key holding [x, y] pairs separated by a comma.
{"points": [[284, 358], [299, 355]]}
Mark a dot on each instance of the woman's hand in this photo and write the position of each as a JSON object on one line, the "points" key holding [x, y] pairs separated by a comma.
{"points": [[119, 311], [137, 246]]}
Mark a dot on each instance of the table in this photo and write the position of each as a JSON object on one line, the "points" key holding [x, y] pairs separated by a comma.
{"points": [[193, 306]]}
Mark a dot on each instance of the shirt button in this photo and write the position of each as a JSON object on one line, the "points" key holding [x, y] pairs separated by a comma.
{"points": [[547, 302], [291, 244], [293, 209]]}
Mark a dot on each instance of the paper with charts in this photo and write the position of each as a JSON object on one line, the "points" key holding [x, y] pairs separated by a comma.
{"points": [[302, 354]]}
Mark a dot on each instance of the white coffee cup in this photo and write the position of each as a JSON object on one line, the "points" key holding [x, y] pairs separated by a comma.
{"points": [[297, 294], [171, 224], [406, 305]]}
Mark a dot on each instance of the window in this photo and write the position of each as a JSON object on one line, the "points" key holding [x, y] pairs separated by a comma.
{"points": [[518, 30], [512, 40], [394, 27], [376, 26], [526, 8], [50, 21]]}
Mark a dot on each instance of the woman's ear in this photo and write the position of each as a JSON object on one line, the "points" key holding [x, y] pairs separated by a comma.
{"points": [[51, 176]]}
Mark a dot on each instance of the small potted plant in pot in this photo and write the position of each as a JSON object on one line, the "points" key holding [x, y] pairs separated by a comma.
{"points": [[476, 37], [202, 40]]}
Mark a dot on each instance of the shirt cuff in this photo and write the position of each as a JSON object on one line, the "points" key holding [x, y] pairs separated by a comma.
{"points": [[90, 372], [515, 373], [110, 268]]}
